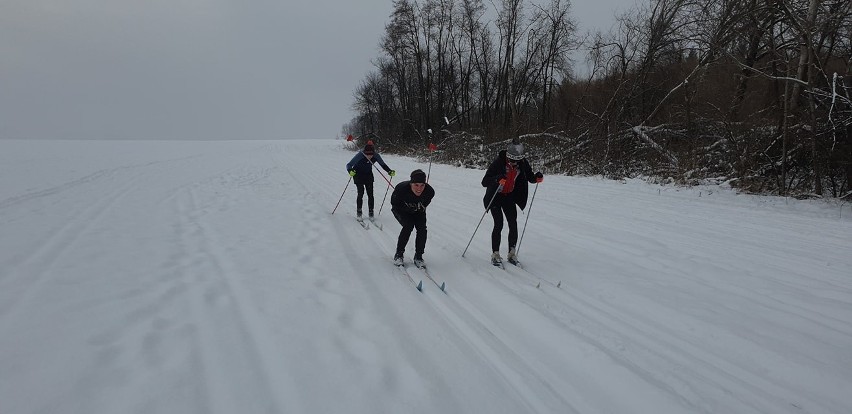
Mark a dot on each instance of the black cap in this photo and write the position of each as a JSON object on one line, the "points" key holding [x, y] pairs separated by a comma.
{"points": [[418, 176]]}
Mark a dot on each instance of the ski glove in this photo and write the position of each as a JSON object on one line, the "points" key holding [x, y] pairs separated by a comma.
{"points": [[392, 173], [539, 177], [351, 173]]}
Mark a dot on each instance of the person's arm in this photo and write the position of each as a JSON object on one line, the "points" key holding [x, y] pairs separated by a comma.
{"points": [[528, 172], [428, 194], [492, 175], [396, 201], [378, 159], [351, 165]]}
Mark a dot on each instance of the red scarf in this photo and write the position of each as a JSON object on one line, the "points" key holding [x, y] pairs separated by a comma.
{"points": [[511, 175]]}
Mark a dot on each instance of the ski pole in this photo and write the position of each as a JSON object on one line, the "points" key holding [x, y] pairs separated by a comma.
{"points": [[431, 151], [518, 247], [341, 195], [385, 197], [499, 188], [380, 173]]}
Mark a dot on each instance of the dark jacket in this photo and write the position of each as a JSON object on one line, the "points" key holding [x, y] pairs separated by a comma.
{"points": [[403, 199], [497, 170], [364, 167]]}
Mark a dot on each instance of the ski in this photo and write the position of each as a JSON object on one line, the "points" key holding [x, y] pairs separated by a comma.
{"points": [[418, 285], [441, 285], [518, 264], [376, 223], [363, 223]]}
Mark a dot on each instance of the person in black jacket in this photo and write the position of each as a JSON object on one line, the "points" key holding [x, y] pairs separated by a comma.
{"points": [[361, 169], [506, 187], [408, 204]]}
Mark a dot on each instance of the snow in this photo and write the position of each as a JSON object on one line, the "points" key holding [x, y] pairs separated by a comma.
{"points": [[211, 277]]}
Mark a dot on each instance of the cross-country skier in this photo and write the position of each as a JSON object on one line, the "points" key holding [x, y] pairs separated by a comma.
{"points": [[506, 184], [408, 204], [361, 169]]}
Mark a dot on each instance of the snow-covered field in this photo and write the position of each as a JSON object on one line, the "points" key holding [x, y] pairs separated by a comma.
{"points": [[210, 277]]}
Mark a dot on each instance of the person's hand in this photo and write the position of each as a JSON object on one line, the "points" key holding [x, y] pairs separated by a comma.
{"points": [[351, 173], [502, 183], [539, 177], [392, 173]]}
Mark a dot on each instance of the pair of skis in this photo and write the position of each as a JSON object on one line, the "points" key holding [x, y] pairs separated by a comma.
{"points": [[366, 223], [419, 284], [501, 265]]}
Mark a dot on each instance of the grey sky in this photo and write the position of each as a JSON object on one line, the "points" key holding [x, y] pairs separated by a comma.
{"points": [[193, 69]]}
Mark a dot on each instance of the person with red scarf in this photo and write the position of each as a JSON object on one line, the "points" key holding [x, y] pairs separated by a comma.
{"points": [[506, 182]]}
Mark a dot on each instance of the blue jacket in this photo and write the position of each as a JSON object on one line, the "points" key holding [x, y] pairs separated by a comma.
{"points": [[364, 167]]}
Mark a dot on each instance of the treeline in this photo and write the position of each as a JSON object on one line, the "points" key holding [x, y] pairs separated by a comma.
{"points": [[753, 92]]}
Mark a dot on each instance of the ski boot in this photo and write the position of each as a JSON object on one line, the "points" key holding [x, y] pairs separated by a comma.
{"points": [[418, 260], [512, 257], [496, 260]]}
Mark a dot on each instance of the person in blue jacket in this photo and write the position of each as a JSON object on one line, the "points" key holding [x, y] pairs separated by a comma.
{"points": [[360, 168]]}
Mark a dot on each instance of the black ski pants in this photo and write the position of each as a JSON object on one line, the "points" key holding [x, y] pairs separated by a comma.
{"points": [[501, 206], [368, 187], [409, 222]]}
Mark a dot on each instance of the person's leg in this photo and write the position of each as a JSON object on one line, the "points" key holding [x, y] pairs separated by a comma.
{"points": [[420, 239], [359, 202], [370, 201], [405, 233], [497, 215], [511, 212]]}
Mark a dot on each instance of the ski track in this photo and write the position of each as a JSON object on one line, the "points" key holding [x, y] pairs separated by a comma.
{"points": [[227, 326], [37, 266], [479, 333]]}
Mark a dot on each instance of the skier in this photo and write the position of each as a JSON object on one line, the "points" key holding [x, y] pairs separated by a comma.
{"points": [[361, 169], [408, 204], [506, 186]]}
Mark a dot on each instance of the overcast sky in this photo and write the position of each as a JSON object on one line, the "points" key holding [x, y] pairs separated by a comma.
{"points": [[193, 69]]}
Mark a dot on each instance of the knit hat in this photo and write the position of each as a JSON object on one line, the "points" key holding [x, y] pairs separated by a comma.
{"points": [[418, 176], [515, 150]]}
